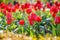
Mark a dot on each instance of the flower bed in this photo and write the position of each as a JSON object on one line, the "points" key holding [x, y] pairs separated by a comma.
{"points": [[31, 19]]}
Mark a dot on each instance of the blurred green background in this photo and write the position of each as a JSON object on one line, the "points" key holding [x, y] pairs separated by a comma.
{"points": [[7, 1]]}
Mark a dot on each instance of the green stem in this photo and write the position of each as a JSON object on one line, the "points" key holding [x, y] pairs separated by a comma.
{"points": [[56, 29], [53, 31], [22, 30], [31, 32]]}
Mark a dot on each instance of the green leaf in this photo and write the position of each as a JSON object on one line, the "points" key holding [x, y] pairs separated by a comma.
{"points": [[53, 30], [58, 30]]}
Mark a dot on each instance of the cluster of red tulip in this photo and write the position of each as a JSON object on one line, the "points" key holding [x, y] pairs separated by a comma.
{"points": [[33, 17], [7, 10], [54, 11]]}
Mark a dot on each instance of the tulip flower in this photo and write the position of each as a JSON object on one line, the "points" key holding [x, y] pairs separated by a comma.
{"points": [[9, 22], [4, 11], [33, 16], [48, 5], [31, 22], [38, 19], [57, 20], [28, 10], [57, 3], [21, 22], [53, 11], [13, 9], [16, 6], [27, 5], [23, 6], [38, 5], [3, 5], [9, 18], [9, 5], [9, 9]]}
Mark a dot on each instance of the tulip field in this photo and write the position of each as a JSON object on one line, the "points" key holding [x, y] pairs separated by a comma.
{"points": [[30, 21]]}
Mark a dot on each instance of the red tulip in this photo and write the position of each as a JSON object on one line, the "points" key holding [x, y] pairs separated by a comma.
{"points": [[53, 9], [31, 22], [8, 15], [48, 5], [9, 22], [23, 7], [3, 5], [9, 18], [4, 11], [38, 19], [38, 5], [17, 6], [21, 22], [34, 6], [28, 10], [57, 20], [33, 16], [57, 3], [58, 7], [27, 5], [53, 15], [9, 5], [13, 9], [9, 9]]}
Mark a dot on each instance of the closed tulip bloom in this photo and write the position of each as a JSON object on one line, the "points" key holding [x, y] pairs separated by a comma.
{"points": [[4, 11], [28, 10], [57, 20], [21, 22], [38, 19], [53, 11], [31, 22], [48, 5], [9, 18]]}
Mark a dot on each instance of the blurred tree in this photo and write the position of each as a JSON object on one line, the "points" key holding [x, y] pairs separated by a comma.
{"points": [[11, 1], [59, 0], [6, 1], [1, 1], [23, 1]]}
